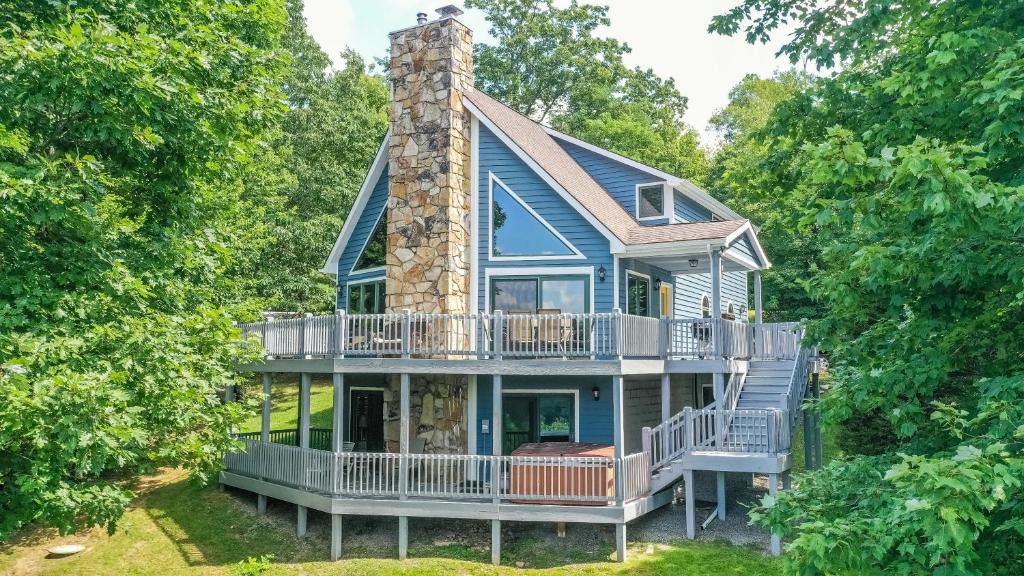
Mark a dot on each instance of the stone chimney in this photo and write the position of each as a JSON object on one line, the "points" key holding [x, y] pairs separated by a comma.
{"points": [[429, 196]]}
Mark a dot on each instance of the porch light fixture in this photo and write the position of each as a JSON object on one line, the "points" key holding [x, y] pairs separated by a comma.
{"points": [[693, 262], [601, 273], [596, 392]]}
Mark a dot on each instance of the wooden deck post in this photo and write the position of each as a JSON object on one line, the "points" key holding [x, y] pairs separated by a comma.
{"points": [[338, 413], [773, 490], [716, 301], [496, 542], [265, 420], [261, 503], [618, 435], [403, 537], [691, 511], [757, 296], [496, 437], [718, 387], [666, 413], [721, 495], [620, 542], [335, 536], [305, 382]]}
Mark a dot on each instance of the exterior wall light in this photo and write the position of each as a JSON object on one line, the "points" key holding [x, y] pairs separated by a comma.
{"points": [[596, 392], [601, 273], [693, 262]]}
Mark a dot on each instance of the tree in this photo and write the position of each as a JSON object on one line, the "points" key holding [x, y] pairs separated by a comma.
{"points": [[126, 133], [335, 122], [738, 178], [909, 165], [549, 65]]}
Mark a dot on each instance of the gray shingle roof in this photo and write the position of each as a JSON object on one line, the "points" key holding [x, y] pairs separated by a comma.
{"points": [[538, 145]]}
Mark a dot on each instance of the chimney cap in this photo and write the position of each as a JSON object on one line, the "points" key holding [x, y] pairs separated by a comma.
{"points": [[450, 11]]}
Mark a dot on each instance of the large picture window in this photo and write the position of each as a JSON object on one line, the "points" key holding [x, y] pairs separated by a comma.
{"points": [[366, 297], [528, 295], [518, 231], [638, 294]]}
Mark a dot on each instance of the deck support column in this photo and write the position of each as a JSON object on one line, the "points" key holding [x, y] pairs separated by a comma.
{"points": [[720, 481], [716, 300], [335, 536], [261, 503], [300, 524], [691, 510], [718, 387], [620, 542], [496, 436], [757, 296], [773, 490], [403, 537], [618, 435], [265, 419], [666, 397], [496, 542], [338, 413], [305, 382]]}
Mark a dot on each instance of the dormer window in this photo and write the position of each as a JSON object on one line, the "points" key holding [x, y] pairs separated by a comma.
{"points": [[653, 201]]}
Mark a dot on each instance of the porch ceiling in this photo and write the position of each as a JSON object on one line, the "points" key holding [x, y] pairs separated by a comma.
{"points": [[691, 263]]}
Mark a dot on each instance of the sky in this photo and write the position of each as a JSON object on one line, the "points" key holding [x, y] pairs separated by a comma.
{"points": [[668, 36]]}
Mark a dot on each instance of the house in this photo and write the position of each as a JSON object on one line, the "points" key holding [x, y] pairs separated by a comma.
{"points": [[528, 328]]}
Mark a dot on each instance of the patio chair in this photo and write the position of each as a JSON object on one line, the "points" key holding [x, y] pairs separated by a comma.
{"points": [[520, 332]]}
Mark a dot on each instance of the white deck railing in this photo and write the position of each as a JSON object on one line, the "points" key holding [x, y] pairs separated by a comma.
{"points": [[499, 336], [587, 480], [748, 432]]}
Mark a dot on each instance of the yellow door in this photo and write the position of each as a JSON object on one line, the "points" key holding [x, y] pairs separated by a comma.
{"points": [[665, 292]]}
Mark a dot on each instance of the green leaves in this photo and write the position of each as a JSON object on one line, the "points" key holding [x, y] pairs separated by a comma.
{"points": [[122, 159]]}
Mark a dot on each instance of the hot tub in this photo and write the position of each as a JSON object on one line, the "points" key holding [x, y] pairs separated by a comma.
{"points": [[565, 473]]}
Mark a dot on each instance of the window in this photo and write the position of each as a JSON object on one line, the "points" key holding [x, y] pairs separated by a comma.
{"points": [[705, 306], [366, 297], [516, 230], [730, 312], [638, 294], [650, 201], [376, 248], [567, 294]]}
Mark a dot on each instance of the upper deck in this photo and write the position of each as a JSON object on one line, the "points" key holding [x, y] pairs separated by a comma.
{"points": [[601, 343]]}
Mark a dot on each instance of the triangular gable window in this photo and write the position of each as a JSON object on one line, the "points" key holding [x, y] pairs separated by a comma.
{"points": [[376, 248], [518, 231]]}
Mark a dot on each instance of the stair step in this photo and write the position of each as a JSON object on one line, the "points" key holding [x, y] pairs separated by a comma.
{"points": [[762, 365], [758, 387], [766, 381]]}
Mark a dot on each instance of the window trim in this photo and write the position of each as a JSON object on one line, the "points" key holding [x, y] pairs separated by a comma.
{"points": [[647, 278], [588, 299], [496, 272], [575, 392], [366, 243], [666, 201], [491, 179]]}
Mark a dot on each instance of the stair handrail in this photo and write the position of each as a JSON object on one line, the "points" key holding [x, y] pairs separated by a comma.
{"points": [[798, 378], [668, 440], [730, 399]]}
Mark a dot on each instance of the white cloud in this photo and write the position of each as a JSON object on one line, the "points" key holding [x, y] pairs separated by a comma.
{"points": [[669, 36], [331, 23]]}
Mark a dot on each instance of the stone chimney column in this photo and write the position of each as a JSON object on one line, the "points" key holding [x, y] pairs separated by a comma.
{"points": [[428, 259]]}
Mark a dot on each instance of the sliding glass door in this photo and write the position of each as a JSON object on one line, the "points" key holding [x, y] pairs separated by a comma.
{"points": [[546, 294]]}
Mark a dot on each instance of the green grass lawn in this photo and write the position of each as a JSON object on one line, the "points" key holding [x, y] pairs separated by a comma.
{"points": [[284, 405], [177, 527]]}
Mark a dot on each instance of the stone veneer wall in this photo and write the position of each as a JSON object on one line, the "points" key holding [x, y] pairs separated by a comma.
{"points": [[427, 267], [438, 413]]}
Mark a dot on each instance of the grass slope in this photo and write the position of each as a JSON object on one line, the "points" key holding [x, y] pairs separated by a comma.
{"points": [[176, 527]]}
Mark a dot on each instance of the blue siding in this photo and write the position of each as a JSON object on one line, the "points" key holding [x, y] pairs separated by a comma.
{"points": [[375, 205], [691, 287], [617, 178], [743, 246], [642, 267], [687, 210], [496, 158], [595, 415]]}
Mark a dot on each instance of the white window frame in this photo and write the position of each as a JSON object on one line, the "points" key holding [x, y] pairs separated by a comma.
{"points": [[704, 296], [666, 201], [489, 272], [492, 178], [359, 256], [576, 403], [649, 286]]}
